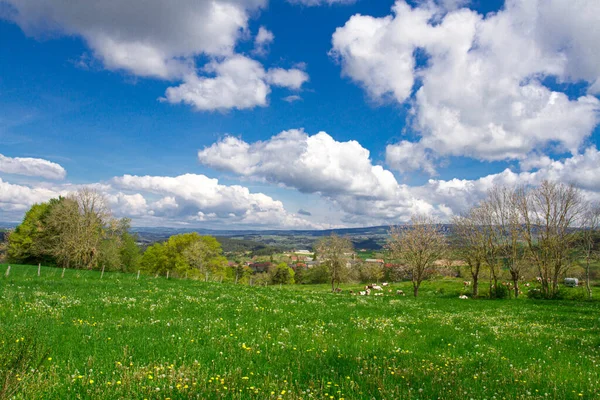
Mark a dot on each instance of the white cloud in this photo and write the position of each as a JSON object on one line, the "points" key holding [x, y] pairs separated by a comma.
{"points": [[149, 38], [20, 197], [31, 167], [365, 194], [343, 174], [160, 40], [408, 156], [193, 197], [310, 164], [263, 39], [292, 98], [239, 82], [130, 205], [289, 78], [481, 92]]}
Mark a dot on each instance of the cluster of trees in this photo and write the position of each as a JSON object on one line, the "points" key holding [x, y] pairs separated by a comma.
{"points": [[186, 255], [277, 274], [513, 233], [544, 230], [76, 231]]}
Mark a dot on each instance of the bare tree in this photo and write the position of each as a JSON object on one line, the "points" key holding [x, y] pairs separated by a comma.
{"points": [[76, 228], [590, 225], [419, 246], [335, 253], [509, 230], [470, 241], [550, 212]]}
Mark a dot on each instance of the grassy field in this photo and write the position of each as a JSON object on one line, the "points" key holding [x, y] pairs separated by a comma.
{"points": [[80, 337]]}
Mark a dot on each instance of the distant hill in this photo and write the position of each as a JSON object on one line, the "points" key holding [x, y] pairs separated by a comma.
{"points": [[267, 241], [371, 238]]}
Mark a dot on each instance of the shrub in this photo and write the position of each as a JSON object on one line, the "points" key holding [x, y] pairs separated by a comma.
{"points": [[499, 292]]}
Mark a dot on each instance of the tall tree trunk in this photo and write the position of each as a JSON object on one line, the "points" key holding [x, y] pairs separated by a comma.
{"points": [[475, 276], [587, 279], [515, 279]]}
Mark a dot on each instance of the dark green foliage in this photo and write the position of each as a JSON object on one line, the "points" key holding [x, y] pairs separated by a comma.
{"points": [[27, 244], [500, 292], [130, 255]]}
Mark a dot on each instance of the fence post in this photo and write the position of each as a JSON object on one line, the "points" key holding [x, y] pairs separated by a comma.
{"points": [[7, 271], [138, 277], [102, 274], [39, 269], [167, 274], [63, 273]]}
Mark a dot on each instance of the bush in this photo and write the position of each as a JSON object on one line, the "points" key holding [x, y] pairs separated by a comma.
{"points": [[500, 292]]}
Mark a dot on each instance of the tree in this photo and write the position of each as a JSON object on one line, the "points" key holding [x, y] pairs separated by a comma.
{"points": [[506, 223], [371, 271], [155, 259], [27, 243], [550, 213], [282, 274], [335, 253], [419, 245], [470, 242], [186, 253], [77, 228], [4, 239], [589, 240], [240, 272], [129, 253]]}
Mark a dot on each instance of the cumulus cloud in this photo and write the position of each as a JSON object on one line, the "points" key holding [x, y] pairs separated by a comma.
{"points": [[364, 195], [198, 198], [150, 38], [263, 39], [20, 197], [408, 156], [160, 40], [343, 174], [238, 82], [340, 172], [310, 164], [289, 78], [480, 93], [31, 167]]}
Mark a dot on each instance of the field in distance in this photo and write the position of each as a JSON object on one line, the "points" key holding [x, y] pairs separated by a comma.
{"points": [[119, 337]]}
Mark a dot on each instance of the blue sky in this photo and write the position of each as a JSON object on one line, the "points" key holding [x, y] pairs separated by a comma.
{"points": [[423, 106]]}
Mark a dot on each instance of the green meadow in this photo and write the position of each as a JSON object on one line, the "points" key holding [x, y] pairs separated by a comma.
{"points": [[82, 337]]}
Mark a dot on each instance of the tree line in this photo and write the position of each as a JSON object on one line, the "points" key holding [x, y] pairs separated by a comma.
{"points": [[514, 233]]}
